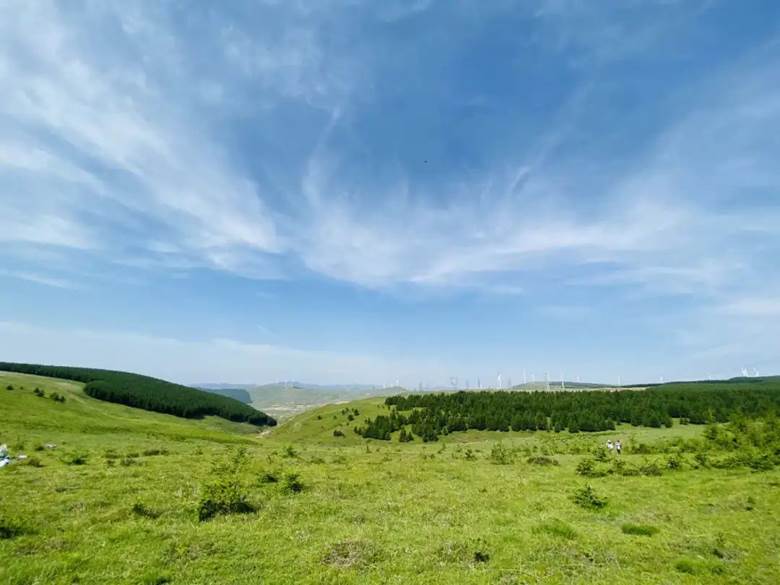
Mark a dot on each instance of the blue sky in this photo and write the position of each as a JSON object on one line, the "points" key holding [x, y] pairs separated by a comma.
{"points": [[414, 190]]}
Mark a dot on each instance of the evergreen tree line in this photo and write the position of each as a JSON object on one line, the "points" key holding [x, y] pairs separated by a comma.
{"points": [[149, 393], [432, 415]]}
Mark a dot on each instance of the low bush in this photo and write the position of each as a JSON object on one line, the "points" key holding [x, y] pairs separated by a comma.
{"points": [[620, 467], [586, 497], [11, 528], [588, 468], [153, 452], [292, 484], [225, 494], [269, 477], [674, 463], [650, 468], [500, 455], [338, 433], [142, 510]]}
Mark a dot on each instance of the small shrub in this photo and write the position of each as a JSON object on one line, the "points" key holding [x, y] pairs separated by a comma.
{"points": [[620, 467], [587, 468], [142, 510], [600, 454], [500, 455], [702, 459], [338, 433], [128, 461], [687, 566], [224, 494], [586, 497], [674, 463], [268, 477], [153, 452], [11, 528], [292, 484], [39, 393], [9, 387], [57, 397], [153, 577], [289, 452], [481, 556], [639, 529], [469, 455], [760, 462], [650, 468]]}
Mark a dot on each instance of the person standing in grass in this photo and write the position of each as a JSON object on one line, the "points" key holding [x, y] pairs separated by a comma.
{"points": [[618, 446], [609, 445]]}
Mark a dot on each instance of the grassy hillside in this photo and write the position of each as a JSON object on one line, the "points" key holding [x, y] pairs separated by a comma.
{"points": [[148, 393], [117, 501], [240, 394], [286, 400]]}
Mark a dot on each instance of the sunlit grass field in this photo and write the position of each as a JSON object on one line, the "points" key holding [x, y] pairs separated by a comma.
{"points": [[116, 502]]}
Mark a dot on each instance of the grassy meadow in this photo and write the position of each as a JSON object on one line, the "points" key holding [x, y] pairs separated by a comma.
{"points": [[117, 500]]}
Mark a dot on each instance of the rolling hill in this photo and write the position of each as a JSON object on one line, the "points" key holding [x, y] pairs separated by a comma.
{"points": [[148, 393]]}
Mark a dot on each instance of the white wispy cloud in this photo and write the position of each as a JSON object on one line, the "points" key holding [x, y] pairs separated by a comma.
{"points": [[106, 152], [110, 121], [43, 279]]}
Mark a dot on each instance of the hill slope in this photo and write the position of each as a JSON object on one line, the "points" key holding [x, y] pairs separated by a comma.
{"points": [[148, 393]]}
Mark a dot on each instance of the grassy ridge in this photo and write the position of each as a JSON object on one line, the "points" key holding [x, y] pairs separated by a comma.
{"points": [[149, 393]]}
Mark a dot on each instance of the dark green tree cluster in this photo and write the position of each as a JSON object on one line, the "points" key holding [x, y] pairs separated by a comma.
{"points": [[149, 393], [432, 415]]}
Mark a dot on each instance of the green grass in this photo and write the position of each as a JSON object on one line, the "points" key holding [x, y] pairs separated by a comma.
{"points": [[368, 511]]}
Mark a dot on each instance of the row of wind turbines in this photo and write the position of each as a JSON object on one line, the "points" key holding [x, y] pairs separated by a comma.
{"points": [[502, 384]]}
